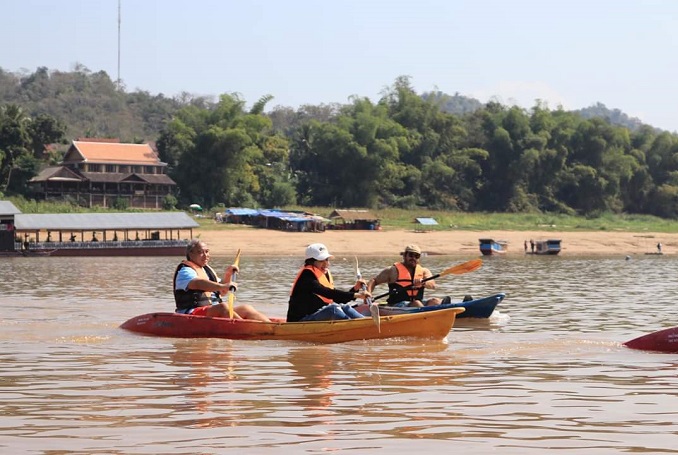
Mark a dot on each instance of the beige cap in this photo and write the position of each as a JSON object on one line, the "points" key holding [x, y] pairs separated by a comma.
{"points": [[412, 249]]}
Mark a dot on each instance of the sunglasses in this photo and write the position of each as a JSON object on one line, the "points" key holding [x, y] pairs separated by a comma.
{"points": [[414, 255]]}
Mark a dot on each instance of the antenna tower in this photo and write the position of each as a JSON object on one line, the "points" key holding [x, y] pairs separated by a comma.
{"points": [[119, 16]]}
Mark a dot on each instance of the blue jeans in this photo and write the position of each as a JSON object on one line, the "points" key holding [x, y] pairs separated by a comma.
{"points": [[334, 311]]}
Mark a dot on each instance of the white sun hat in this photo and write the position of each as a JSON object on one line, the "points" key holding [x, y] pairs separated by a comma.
{"points": [[317, 251]]}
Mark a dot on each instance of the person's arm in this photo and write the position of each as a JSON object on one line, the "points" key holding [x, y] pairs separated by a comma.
{"points": [[385, 276], [336, 295], [309, 283], [430, 284], [201, 284], [187, 279]]}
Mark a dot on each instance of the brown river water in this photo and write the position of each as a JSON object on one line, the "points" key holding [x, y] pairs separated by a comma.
{"points": [[547, 373]]}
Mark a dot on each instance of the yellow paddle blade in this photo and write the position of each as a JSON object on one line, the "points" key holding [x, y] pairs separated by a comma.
{"points": [[466, 267], [231, 293]]}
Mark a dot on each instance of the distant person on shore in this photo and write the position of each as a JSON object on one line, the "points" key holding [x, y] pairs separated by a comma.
{"points": [[313, 296], [406, 281], [525, 246], [659, 247], [532, 245], [198, 290]]}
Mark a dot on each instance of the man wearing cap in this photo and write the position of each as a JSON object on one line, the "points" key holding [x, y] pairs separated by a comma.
{"points": [[406, 280], [313, 296]]}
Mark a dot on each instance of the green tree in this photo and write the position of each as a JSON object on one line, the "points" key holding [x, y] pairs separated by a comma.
{"points": [[220, 155], [15, 141]]}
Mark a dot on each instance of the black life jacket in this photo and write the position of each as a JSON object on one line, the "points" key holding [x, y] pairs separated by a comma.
{"points": [[185, 300]]}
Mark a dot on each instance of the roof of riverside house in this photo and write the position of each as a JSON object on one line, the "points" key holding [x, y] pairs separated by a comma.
{"points": [[112, 152]]}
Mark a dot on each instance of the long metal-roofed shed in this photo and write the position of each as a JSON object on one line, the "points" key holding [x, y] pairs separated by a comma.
{"points": [[143, 225], [238, 215], [289, 221], [7, 208], [354, 219]]}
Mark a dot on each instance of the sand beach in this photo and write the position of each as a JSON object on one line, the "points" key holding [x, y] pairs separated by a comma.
{"points": [[255, 241]]}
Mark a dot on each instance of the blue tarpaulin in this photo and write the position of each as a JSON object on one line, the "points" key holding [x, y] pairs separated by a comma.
{"points": [[240, 211], [427, 221]]}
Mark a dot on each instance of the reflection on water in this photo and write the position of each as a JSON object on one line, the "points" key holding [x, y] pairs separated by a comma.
{"points": [[547, 372]]}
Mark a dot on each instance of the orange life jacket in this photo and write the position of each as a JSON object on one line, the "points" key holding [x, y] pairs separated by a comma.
{"points": [[404, 279], [323, 278]]}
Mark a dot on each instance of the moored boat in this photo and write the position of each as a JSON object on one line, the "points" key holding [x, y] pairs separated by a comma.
{"points": [[665, 340], [25, 253], [112, 234], [547, 247], [431, 325], [489, 247], [126, 248], [477, 308]]}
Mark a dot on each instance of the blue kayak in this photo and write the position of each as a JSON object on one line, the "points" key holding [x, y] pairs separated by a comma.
{"points": [[477, 308]]}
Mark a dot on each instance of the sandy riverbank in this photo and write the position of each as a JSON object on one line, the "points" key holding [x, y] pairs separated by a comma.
{"points": [[465, 243]]}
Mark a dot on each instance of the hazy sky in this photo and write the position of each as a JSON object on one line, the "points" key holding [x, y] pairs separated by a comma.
{"points": [[574, 53]]}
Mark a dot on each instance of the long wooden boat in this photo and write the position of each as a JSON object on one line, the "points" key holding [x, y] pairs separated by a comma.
{"points": [[431, 325], [110, 248], [477, 308], [661, 341], [489, 247], [28, 254]]}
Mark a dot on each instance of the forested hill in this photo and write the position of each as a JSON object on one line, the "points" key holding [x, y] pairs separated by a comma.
{"points": [[88, 104], [405, 150]]}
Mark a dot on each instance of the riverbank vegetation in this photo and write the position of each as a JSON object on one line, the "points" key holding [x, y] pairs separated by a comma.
{"points": [[394, 218], [405, 151]]}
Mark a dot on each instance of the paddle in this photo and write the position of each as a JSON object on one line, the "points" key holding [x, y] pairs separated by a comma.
{"points": [[459, 269], [374, 309], [231, 289]]}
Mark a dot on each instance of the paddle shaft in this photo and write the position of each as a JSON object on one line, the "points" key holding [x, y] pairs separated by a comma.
{"points": [[358, 276], [231, 289]]}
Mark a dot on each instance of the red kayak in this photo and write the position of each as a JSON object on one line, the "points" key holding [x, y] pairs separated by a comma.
{"points": [[661, 341]]}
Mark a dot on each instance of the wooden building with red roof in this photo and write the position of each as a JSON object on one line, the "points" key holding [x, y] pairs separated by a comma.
{"points": [[97, 172]]}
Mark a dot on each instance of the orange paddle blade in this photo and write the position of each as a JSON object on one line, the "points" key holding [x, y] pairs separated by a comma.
{"points": [[466, 267]]}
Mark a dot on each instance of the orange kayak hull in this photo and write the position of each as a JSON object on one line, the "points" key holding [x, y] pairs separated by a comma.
{"points": [[430, 325]]}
